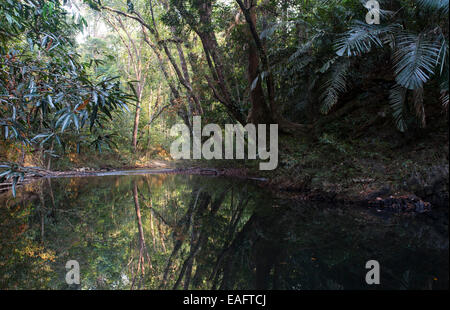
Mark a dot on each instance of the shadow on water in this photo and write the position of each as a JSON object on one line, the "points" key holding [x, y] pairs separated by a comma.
{"points": [[196, 232]]}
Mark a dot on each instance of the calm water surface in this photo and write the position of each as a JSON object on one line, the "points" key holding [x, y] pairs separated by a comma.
{"points": [[197, 232]]}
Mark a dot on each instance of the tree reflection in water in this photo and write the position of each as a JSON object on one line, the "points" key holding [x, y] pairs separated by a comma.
{"points": [[196, 232]]}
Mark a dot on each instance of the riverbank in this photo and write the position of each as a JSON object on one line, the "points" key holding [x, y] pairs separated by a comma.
{"points": [[383, 166], [381, 200]]}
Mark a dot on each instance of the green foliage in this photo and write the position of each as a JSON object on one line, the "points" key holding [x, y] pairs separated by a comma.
{"points": [[304, 47], [414, 60], [59, 96], [47, 93], [417, 53], [362, 37], [435, 5], [12, 172], [335, 85], [397, 98]]}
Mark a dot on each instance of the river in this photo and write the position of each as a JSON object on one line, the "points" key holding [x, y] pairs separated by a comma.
{"points": [[165, 231]]}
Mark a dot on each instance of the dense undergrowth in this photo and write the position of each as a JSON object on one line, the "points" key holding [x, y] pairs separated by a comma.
{"points": [[98, 84]]}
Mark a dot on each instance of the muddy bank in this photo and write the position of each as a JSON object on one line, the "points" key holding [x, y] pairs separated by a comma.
{"points": [[421, 193]]}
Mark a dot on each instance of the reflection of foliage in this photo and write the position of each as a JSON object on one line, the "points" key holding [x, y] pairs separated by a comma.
{"points": [[203, 233], [24, 262]]}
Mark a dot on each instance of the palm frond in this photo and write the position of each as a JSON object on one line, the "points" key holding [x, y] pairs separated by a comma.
{"points": [[397, 97], [418, 105], [442, 59], [438, 5], [361, 37], [444, 88], [414, 60], [305, 47], [444, 100], [335, 85]]}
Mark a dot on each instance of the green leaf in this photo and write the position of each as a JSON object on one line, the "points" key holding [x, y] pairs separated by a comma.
{"points": [[50, 101], [66, 122]]}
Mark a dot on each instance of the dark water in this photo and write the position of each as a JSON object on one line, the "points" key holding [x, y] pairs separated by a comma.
{"points": [[197, 232]]}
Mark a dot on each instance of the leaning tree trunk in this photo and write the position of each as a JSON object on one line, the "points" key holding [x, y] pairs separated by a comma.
{"points": [[137, 116], [275, 114], [259, 112]]}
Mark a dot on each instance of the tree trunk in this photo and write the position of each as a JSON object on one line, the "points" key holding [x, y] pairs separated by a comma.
{"points": [[259, 112], [137, 116], [275, 114]]}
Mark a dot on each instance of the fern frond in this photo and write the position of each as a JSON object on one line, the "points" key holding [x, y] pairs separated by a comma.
{"points": [[335, 85], [414, 60], [397, 96]]}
